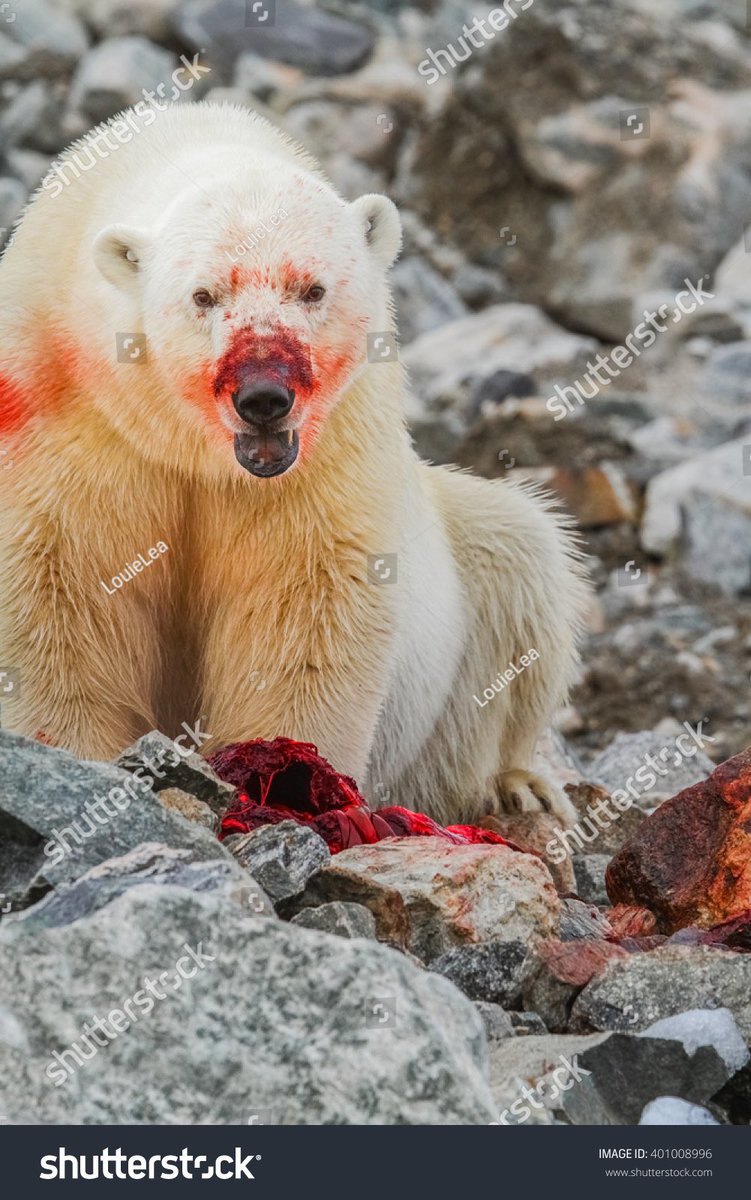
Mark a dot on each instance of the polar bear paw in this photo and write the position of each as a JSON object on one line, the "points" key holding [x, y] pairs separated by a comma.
{"points": [[521, 791]]}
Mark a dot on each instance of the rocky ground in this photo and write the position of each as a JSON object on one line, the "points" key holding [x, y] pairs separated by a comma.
{"points": [[410, 981], [574, 172]]}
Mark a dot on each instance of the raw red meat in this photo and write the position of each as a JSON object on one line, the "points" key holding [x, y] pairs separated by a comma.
{"points": [[286, 780]]}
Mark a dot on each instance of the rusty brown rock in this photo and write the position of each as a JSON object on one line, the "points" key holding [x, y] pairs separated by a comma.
{"points": [[631, 921], [690, 862], [556, 972]]}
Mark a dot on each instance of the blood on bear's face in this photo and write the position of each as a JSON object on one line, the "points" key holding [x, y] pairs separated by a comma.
{"points": [[281, 359], [258, 339]]}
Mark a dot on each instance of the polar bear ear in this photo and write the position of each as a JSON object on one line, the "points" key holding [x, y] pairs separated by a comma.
{"points": [[117, 254], [381, 224]]}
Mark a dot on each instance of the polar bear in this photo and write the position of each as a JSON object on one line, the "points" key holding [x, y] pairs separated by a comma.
{"points": [[210, 503]]}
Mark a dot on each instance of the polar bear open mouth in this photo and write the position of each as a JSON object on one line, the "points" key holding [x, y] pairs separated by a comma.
{"points": [[264, 452]]}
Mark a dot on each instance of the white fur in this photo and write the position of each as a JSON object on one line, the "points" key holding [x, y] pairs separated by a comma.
{"points": [[265, 578]]}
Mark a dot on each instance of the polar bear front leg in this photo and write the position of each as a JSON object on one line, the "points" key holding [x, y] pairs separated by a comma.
{"points": [[309, 661]]}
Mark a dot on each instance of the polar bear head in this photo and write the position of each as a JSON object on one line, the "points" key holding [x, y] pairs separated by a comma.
{"points": [[257, 293]]}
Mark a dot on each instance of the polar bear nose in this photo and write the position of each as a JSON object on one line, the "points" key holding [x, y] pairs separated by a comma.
{"points": [[263, 402]]}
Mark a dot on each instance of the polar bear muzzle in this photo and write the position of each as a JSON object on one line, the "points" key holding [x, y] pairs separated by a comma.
{"points": [[265, 453], [263, 449]]}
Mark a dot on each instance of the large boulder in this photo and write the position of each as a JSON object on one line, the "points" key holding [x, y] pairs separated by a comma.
{"points": [[636, 990], [60, 817], [690, 862], [428, 896], [204, 1014]]}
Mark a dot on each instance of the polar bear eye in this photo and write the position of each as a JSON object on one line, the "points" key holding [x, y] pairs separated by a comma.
{"points": [[203, 299], [314, 293]]}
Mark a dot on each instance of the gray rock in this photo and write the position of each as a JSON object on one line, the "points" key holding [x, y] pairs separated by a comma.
{"points": [[671, 1110], [622, 1073], [334, 131], [705, 1027], [25, 111], [309, 38], [13, 196], [260, 76], [727, 375], [163, 764], [513, 337], [479, 287], [318, 1030], [149, 863], [282, 857], [52, 39], [732, 281], [339, 918], [115, 74], [735, 1098], [502, 385], [590, 877], [598, 218], [491, 972], [13, 59], [118, 18], [667, 441], [424, 299], [718, 476], [497, 1022], [634, 992], [528, 1024], [716, 537], [580, 920], [627, 753], [99, 812]]}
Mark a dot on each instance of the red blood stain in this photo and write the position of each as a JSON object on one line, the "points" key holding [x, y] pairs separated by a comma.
{"points": [[14, 407], [295, 279], [53, 382], [278, 357]]}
